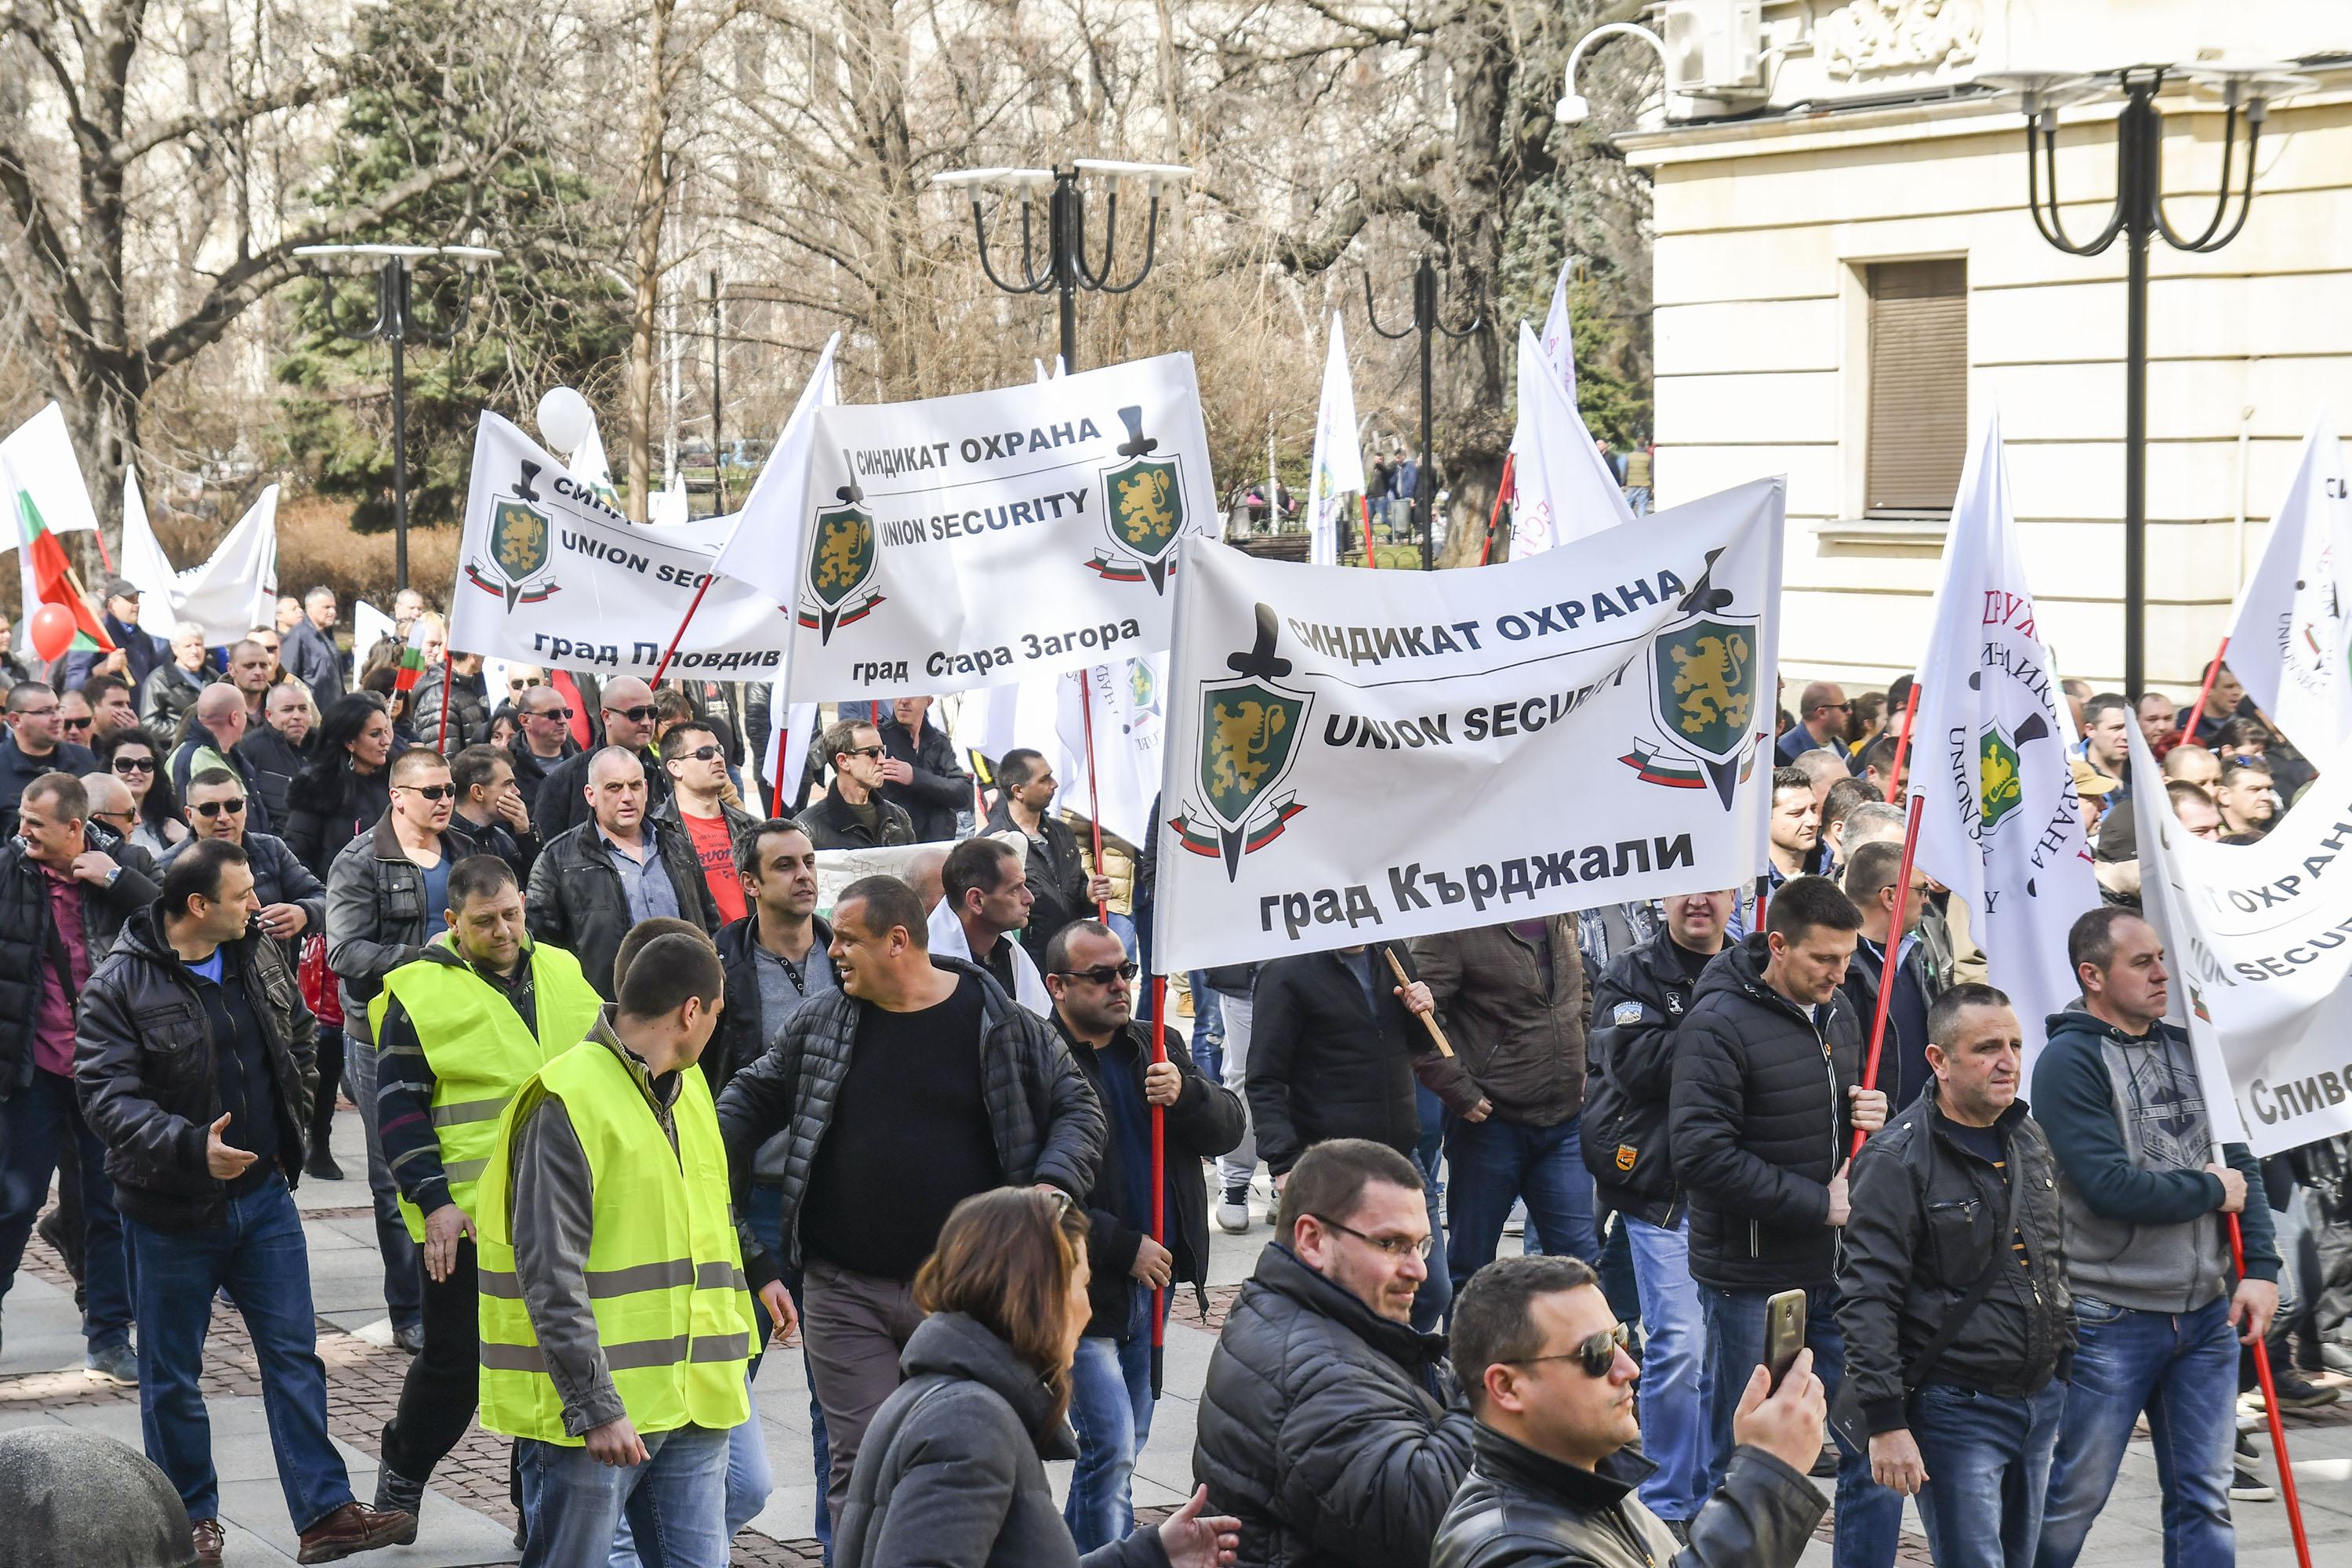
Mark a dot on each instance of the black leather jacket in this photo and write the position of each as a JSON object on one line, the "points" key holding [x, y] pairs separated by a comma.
{"points": [[1520, 1509], [1638, 1006], [26, 951]]}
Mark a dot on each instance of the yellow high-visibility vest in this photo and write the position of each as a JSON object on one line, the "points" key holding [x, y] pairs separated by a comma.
{"points": [[479, 1051], [664, 1271]]}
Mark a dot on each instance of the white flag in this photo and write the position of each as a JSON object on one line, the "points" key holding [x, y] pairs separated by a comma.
{"points": [[789, 738], [44, 474], [2000, 824], [1562, 486], [369, 627], [1558, 341], [1339, 469], [1126, 729], [2287, 637], [235, 589], [590, 464], [764, 547], [143, 564]]}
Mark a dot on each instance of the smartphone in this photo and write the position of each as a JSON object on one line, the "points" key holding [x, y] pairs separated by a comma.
{"points": [[1784, 1333]]}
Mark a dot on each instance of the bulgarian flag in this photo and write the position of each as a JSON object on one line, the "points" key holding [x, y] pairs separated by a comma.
{"points": [[49, 577], [412, 658]]}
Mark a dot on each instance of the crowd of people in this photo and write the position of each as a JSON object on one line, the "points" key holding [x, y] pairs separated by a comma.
{"points": [[636, 1113]]}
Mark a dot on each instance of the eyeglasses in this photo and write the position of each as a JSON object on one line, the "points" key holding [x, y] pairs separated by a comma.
{"points": [[1388, 1246], [710, 754], [213, 808], [640, 715], [134, 764], [551, 713], [875, 753], [36, 713], [430, 792], [1102, 973], [1595, 1352]]}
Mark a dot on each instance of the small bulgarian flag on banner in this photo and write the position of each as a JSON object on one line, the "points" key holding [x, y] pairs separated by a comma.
{"points": [[412, 658], [48, 577]]}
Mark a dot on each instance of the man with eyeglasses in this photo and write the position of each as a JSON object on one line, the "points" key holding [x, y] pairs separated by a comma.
{"points": [[387, 896], [1336, 1433], [590, 885], [1821, 721], [561, 804], [697, 810], [1544, 1363], [212, 743], [542, 741], [34, 745], [1091, 979], [853, 815], [916, 1084]]}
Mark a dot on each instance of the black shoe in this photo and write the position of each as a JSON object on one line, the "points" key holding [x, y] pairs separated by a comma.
{"points": [[2295, 1392], [409, 1340], [2246, 1483], [321, 1165], [395, 1493]]}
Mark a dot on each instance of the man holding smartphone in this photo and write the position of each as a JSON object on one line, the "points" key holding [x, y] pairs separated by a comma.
{"points": [[1766, 1097], [1959, 1326]]}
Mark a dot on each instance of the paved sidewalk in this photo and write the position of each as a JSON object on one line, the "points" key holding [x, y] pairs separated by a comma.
{"points": [[469, 1521]]}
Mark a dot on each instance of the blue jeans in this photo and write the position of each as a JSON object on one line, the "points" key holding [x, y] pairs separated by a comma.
{"points": [[767, 1220], [259, 1254], [675, 1502], [749, 1482], [2183, 1371], [41, 1124], [1491, 1165], [1987, 1458], [1207, 1027], [404, 1263], [1674, 1387], [1869, 1516], [1110, 1408], [1618, 1286], [1637, 497], [1436, 1293]]}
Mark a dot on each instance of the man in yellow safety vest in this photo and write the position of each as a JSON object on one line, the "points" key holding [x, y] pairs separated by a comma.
{"points": [[615, 1325], [458, 1032]]}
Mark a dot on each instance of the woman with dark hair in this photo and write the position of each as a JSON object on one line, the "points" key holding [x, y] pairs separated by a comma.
{"points": [[952, 1469], [347, 785], [132, 757]]}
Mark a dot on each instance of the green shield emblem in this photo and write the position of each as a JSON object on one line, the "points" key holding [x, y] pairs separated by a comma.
{"points": [[520, 542], [842, 556], [1703, 681], [1143, 502], [1249, 737], [2000, 789]]}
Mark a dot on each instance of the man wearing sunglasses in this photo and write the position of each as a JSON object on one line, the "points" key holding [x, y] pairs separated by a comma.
{"points": [[1327, 1423], [1092, 981], [1821, 721], [698, 811], [212, 743], [1543, 1361], [542, 741], [853, 815], [293, 901], [626, 705]]}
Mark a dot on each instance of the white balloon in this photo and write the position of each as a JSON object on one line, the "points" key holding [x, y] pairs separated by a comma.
{"points": [[565, 418]]}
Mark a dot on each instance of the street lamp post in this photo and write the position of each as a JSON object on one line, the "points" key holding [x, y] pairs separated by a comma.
{"points": [[1066, 270], [2138, 217], [396, 323], [1427, 323]]}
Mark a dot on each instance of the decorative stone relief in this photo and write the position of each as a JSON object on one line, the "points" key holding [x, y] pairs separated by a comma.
{"points": [[1865, 35]]}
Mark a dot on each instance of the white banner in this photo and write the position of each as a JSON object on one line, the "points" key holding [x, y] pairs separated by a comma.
{"points": [[1360, 755], [2287, 637], [370, 626], [2000, 824], [1559, 340], [763, 547], [2260, 949], [1561, 487], [1128, 729], [969, 541], [1337, 470], [234, 591], [38, 468], [550, 575]]}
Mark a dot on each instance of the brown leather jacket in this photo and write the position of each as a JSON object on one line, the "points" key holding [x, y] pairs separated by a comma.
{"points": [[1522, 1042]]}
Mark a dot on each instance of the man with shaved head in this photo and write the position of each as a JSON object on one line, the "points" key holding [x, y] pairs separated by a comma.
{"points": [[625, 707], [1820, 721], [595, 880], [223, 717]]}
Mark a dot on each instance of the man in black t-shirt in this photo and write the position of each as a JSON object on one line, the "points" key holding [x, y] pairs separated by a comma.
{"points": [[916, 1084]]}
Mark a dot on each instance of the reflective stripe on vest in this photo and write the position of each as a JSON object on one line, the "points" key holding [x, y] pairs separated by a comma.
{"points": [[479, 1051], [663, 1272]]}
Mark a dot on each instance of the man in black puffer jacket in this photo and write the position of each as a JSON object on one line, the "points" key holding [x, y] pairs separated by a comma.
{"points": [[1765, 1103], [1335, 1432]]}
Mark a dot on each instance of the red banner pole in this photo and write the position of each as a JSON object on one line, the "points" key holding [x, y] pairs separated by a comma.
{"points": [[1366, 508], [1160, 1174], [1902, 740], [783, 746], [1093, 797], [679, 635], [1502, 489], [2212, 673], [1894, 947], [2270, 1390], [441, 737]]}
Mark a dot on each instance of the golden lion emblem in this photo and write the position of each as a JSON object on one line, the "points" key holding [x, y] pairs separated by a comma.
{"points": [[1145, 514], [838, 562], [1238, 744], [1704, 679], [1998, 781], [523, 541]]}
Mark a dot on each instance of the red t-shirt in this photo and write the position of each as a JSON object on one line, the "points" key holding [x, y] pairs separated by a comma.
{"points": [[714, 846]]}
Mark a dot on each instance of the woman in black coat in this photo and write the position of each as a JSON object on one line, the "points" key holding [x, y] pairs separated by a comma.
{"points": [[952, 1469], [347, 785]]}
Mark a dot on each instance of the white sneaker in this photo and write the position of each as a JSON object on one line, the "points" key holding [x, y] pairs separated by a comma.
{"points": [[1233, 1211]]}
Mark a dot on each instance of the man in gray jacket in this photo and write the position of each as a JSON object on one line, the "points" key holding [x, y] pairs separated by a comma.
{"points": [[916, 1084]]}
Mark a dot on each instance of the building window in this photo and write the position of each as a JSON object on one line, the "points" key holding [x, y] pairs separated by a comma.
{"points": [[1918, 386]]}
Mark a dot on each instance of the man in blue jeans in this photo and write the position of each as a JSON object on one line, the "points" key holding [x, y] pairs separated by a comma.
{"points": [[194, 1063], [1765, 1102], [1091, 978], [2147, 1250], [1959, 1331], [1637, 1004]]}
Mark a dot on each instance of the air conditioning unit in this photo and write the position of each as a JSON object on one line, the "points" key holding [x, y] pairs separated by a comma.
{"points": [[1714, 47]]}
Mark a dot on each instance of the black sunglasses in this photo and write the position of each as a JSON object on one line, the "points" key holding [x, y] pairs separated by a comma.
{"points": [[523, 684], [551, 713], [431, 792], [82, 724], [213, 808], [134, 764], [878, 753], [1597, 1352], [637, 715], [1102, 973], [701, 754]]}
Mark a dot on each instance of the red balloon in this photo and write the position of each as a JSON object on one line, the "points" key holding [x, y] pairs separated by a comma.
{"points": [[52, 629]]}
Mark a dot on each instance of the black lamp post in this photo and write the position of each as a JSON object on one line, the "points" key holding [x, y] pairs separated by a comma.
{"points": [[1427, 322], [396, 323], [1066, 269], [2138, 217]]}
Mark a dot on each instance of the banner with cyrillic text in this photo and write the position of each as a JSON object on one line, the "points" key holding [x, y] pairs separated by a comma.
{"points": [[1352, 755], [971, 541], [549, 574], [2258, 940]]}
